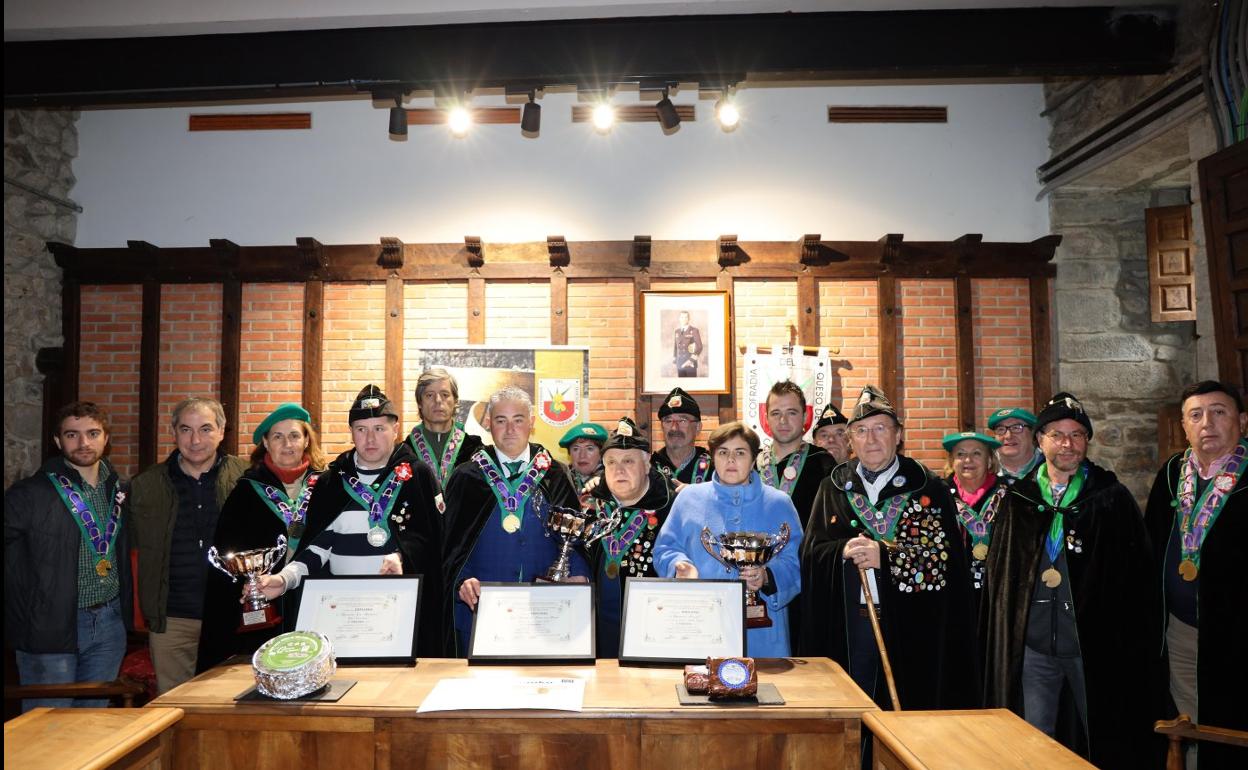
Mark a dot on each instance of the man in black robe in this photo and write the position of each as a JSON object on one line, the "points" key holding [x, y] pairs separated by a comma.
{"points": [[373, 512], [639, 497], [1072, 620], [1197, 520], [885, 516], [496, 505], [680, 460], [439, 440]]}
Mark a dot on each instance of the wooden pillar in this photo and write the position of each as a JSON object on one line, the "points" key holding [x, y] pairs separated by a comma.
{"points": [[1041, 339], [149, 375], [558, 308], [807, 311], [642, 404], [965, 353], [394, 341], [313, 348], [476, 310], [887, 318], [231, 359], [727, 405]]}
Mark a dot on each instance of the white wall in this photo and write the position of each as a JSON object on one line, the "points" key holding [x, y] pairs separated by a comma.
{"points": [[784, 172]]}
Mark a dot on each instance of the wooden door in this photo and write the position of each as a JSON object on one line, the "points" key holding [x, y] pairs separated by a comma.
{"points": [[1224, 188]]}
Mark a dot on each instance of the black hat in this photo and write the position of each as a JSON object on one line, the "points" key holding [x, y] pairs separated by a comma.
{"points": [[680, 402], [830, 416], [626, 436], [871, 402], [371, 403], [1063, 406]]}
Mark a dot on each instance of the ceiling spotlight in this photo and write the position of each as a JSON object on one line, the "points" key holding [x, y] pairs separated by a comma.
{"points": [[531, 117], [460, 120], [727, 114], [604, 117], [668, 117], [398, 118]]}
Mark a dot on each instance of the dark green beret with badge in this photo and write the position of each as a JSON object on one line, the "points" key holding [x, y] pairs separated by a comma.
{"points": [[287, 411], [1011, 413], [952, 440], [586, 430]]}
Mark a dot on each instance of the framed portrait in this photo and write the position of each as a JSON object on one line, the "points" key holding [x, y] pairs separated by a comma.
{"points": [[686, 341], [533, 623], [681, 621], [368, 618]]}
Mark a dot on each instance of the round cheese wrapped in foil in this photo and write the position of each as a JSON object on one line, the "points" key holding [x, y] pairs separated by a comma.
{"points": [[294, 664]]}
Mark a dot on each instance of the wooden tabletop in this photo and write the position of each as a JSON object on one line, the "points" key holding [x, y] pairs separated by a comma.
{"points": [[992, 739], [811, 687], [80, 738]]}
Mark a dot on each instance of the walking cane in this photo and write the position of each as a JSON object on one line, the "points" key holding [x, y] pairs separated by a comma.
{"points": [[879, 639]]}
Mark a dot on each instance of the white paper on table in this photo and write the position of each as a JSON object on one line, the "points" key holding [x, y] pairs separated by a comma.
{"points": [[553, 694]]}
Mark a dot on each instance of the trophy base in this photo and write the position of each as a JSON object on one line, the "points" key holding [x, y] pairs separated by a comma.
{"points": [[756, 616], [553, 579], [255, 620]]}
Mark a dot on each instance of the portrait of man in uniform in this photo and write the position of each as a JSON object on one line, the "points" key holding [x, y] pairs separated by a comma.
{"points": [[687, 346]]}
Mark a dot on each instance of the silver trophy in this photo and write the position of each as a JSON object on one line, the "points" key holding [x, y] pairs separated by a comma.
{"points": [[574, 525], [250, 565], [747, 549]]}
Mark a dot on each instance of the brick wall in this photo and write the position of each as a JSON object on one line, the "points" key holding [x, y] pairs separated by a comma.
{"points": [[190, 351], [271, 365], [108, 359], [600, 317], [1001, 318], [849, 329], [353, 354], [928, 381], [517, 313], [435, 315]]}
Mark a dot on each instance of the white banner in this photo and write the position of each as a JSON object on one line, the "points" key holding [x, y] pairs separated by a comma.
{"points": [[811, 371]]}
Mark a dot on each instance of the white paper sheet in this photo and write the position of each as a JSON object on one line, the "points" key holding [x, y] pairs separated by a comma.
{"points": [[550, 694]]}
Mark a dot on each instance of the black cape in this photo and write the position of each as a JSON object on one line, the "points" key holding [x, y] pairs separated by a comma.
{"points": [[469, 503], [419, 534], [1117, 614], [246, 523], [1221, 676], [637, 562], [668, 469], [929, 634]]}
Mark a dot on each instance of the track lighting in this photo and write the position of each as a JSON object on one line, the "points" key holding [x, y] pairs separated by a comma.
{"points": [[668, 117], [398, 118], [531, 117], [460, 120], [727, 114], [604, 117]]}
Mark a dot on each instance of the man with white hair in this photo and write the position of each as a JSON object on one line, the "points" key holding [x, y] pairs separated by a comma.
{"points": [[496, 505]]}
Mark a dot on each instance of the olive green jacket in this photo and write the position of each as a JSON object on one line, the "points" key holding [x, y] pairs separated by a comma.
{"points": [[153, 510]]}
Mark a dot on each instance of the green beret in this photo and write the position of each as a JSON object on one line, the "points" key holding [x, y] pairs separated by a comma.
{"points": [[287, 411], [590, 430], [1016, 413], [950, 441]]}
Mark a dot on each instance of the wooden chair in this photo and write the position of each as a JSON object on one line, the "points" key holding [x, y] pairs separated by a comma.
{"points": [[1182, 728], [123, 688]]}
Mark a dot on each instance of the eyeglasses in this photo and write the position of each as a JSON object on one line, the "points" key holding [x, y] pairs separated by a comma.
{"points": [[677, 422], [1016, 428], [879, 431], [1074, 437]]}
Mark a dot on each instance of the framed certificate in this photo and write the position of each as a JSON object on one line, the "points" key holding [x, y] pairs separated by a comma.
{"points": [[368, 618], [682, 621], [533, 622]]}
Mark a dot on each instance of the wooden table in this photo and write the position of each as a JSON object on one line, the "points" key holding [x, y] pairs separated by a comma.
{"points": [[631, 719], [992, 739], [65, 738]]}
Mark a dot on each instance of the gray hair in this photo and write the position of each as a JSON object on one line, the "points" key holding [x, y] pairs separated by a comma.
{"points": [[210, 405], [510, 393], [432, 375]]}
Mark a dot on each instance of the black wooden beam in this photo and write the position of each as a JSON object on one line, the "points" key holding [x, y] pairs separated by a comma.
{"points": [[711, 50]]}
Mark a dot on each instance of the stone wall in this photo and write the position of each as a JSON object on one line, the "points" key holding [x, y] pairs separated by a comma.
{"points": [[39, 147]]}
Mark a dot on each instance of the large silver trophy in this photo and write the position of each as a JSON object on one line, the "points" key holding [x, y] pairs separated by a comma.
{"points": [[747, 549], [574, 525], [250, 565]]}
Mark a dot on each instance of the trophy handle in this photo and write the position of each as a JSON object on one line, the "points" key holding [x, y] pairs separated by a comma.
{"points": [[215, 560], [271, 556], [781, 540], [712, 550]]}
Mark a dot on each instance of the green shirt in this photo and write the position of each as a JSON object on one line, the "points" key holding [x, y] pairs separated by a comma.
{"points": [[93, 589]]}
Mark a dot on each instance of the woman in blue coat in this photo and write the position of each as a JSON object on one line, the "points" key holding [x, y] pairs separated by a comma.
{"points": [[736, 500]]}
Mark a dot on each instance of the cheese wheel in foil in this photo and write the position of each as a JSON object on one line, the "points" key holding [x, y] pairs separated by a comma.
{"points": [[294, 664]]}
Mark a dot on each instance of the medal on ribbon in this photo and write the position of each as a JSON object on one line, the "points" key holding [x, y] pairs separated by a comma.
{"points": [[977, 523], [378, 505], [293, 513], [511, 496], [1196, 517], [101, 540], [617, 543], [784, 480], [441, 467], [883, 523], [1051, 576]]}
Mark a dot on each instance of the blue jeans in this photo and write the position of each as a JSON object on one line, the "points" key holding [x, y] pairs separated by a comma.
{"points": [[1043, 677], [101, 646]]}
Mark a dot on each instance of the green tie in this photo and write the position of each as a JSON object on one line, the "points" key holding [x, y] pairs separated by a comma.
{"points": [[513, 468]]}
